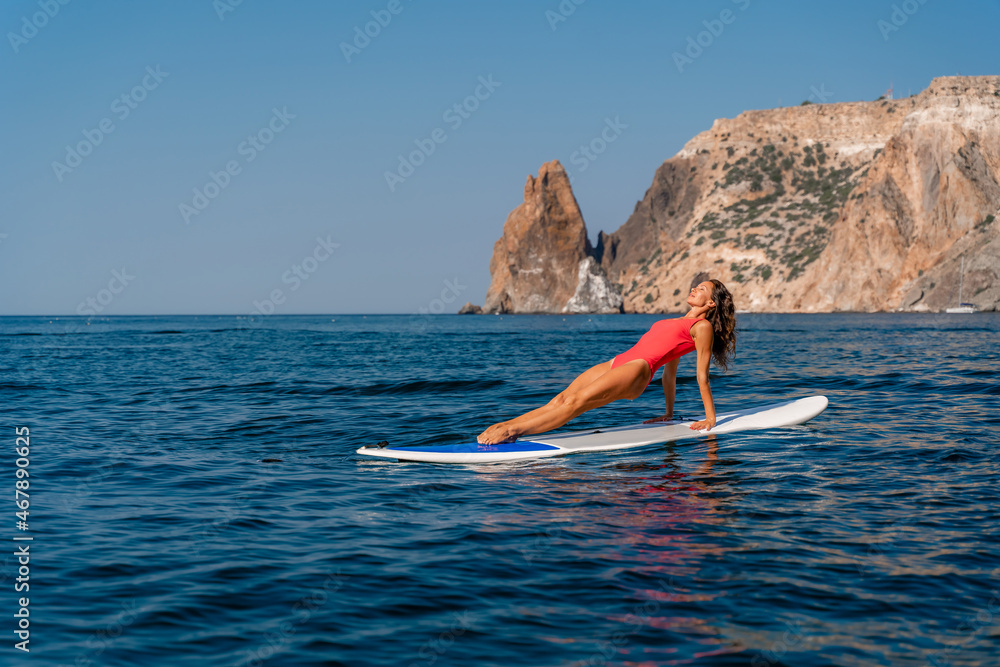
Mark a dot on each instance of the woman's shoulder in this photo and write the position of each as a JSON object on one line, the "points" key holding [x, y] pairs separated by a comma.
{"points": [[701, 326]]}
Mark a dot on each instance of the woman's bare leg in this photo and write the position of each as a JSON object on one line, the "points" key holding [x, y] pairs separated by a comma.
{"points": [[581, 381], [625, 381]]}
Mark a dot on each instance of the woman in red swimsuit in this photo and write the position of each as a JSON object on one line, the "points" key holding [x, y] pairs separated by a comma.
{"points": [[709, 327]]}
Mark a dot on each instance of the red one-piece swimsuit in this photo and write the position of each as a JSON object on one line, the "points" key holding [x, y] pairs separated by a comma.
{"points": [[665, 341]]}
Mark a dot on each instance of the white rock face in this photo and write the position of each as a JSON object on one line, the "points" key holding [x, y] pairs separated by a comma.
{"points": [[537, 263], [594, 292]]}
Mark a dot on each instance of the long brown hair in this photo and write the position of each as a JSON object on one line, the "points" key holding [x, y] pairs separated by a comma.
{"points": [[723, 319]]}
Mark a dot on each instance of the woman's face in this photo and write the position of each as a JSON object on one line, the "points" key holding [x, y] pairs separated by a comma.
{"points": [[701, 295]]}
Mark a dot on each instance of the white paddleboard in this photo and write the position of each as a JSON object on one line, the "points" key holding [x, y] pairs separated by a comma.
{"points": [[774, 415]]}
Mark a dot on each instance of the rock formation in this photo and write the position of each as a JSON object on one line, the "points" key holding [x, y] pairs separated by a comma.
{"points": [[544, 262], [929, 198], [850, 206], [859, 206]]}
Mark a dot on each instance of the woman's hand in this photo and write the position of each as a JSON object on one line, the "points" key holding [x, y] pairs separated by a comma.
{"points": [[704, 424], [662, 418]]}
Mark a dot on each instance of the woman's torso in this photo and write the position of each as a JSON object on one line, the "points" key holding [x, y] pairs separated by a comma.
{"points": [[665, 341]]}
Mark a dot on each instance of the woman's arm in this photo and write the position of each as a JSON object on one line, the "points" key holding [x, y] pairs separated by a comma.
{"points": [[670, 386], [669, 391], [703, 336]]}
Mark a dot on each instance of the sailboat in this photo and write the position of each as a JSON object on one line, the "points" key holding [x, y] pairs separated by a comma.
{"points": [[962, 307]]}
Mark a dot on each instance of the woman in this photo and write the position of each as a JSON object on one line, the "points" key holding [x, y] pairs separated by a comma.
{"points": [[709, 327]]}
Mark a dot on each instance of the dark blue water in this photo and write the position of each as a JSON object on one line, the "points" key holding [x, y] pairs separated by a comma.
{"points": [[196, 499]]}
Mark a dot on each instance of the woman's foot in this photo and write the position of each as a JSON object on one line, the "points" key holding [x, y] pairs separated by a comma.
{"points": [[498, 433]]}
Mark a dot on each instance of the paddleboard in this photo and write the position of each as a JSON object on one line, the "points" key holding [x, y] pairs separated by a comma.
{"points": [[774, 415]]}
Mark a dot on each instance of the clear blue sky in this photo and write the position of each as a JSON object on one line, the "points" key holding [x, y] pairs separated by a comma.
{"points": [[65, 230]]}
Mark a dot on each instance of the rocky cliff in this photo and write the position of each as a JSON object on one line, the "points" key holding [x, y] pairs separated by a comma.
{"points": [[928, 199], [849, 206], [544, 262]]}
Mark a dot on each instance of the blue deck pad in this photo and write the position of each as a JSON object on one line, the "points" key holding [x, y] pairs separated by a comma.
{"points": [[475, 447]]}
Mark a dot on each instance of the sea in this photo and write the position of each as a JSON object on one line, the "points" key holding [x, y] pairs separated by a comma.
{"points": [[186, 490]]}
